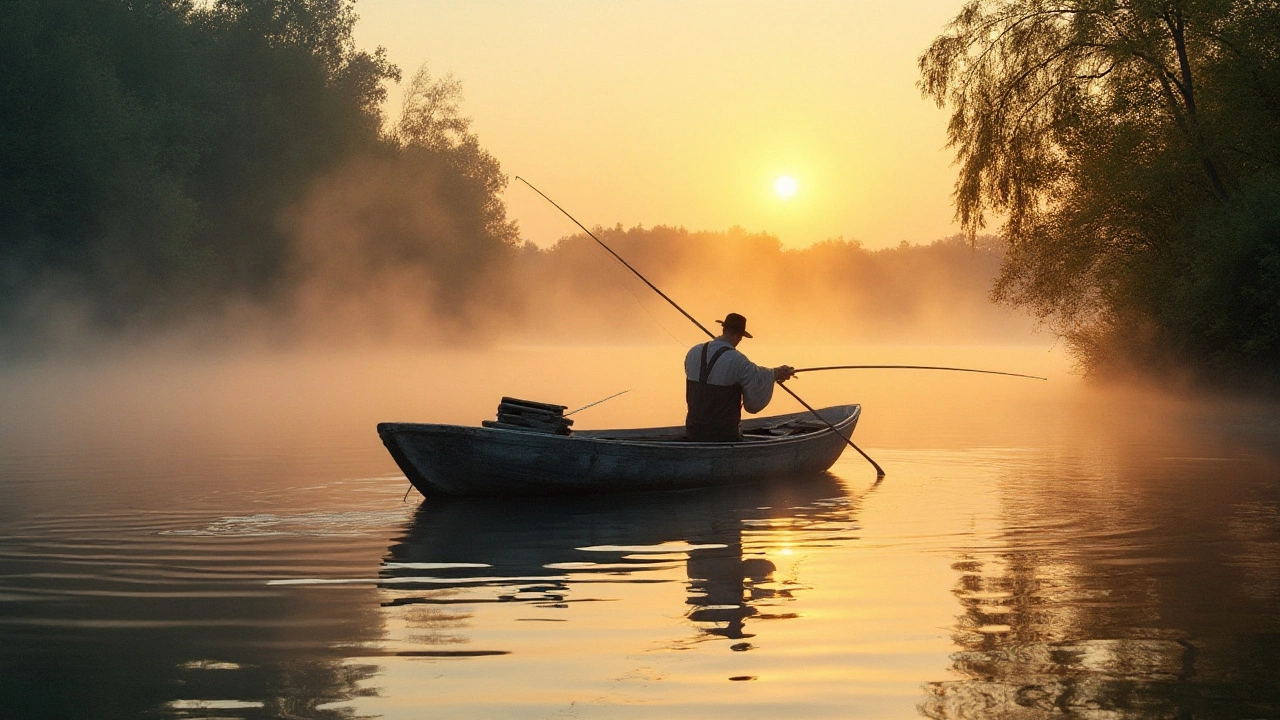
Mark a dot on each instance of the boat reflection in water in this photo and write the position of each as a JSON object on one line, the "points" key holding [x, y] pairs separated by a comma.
{"points": [[555, 551]]}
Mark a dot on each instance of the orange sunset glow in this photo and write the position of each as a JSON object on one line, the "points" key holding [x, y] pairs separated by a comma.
{"points": [[639, 359], [686, 114]]}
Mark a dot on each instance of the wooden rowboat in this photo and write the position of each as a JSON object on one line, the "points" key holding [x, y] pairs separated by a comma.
{"points": [[457, 460]]}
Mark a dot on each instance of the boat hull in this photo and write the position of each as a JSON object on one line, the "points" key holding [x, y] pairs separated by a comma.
{"points": [[457, 460]]}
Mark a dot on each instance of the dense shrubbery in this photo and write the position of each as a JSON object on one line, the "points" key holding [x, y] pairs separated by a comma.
{"points": [[1134, 150]]}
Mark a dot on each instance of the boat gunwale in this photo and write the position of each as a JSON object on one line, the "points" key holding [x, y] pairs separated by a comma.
{"points": [[854, 413]]}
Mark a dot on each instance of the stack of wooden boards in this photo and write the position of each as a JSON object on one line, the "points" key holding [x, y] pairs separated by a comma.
{"points": [[527, 415]]}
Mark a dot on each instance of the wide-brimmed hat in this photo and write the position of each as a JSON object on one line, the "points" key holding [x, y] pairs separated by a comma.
{"points": [[734, 321]]}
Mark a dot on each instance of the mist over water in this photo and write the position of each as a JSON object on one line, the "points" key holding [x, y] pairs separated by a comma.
{"points": [[232, 526], [375, 263]]}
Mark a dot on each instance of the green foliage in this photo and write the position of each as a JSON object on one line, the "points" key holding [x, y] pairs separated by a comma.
{"points": [[1131, 149], [1226, 306], [147, 147]]}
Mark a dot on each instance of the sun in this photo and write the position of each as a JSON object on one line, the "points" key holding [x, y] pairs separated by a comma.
{"points": [[785, 186]]}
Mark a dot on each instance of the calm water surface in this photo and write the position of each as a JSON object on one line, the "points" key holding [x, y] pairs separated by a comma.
{"points": [[226, 538]]}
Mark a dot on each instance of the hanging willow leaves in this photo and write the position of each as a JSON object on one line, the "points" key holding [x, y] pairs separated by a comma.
{"points": [[1119, 143]]}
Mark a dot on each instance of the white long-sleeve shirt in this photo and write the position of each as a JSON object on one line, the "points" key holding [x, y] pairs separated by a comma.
{"points": [[733, 368]]}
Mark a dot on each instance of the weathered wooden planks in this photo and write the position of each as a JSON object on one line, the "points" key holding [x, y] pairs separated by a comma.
{"points": [[517, 414]]}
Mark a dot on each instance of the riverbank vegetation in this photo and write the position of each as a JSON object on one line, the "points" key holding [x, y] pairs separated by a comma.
{"points": [[1131, 151]]}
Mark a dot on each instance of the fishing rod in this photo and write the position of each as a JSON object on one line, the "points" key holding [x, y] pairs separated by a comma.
{"points": [[915, 367], [584, 407], [874, 464]]}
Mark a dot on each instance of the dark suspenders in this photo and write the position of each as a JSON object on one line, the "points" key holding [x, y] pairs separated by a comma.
{"points": [[704, 370]]}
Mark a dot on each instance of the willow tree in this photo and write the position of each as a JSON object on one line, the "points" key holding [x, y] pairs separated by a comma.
{"points": [[1131, 151]]}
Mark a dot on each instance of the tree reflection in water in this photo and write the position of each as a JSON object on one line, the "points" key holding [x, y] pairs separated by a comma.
{"points": [[1027, 651], [1148, 605]]}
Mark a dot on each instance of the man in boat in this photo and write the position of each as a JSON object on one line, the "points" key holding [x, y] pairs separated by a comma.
{"points": [[720, 382]]}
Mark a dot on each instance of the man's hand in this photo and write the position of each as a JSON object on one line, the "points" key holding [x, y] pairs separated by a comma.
{"points": [[783, 373]]}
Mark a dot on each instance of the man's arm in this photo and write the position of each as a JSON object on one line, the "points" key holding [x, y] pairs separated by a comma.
{"points": [[757, 383]]}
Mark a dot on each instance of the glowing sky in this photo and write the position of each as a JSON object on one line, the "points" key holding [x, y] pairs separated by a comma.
{"points": [[687, 113]]}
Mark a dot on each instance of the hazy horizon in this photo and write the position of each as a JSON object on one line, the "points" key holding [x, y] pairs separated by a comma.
{"points": [[686, 114]]}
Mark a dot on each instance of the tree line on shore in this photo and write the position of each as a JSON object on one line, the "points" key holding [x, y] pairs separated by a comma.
{"points": [[835, 291]]}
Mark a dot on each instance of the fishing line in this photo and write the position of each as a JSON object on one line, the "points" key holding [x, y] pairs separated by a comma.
{"points": [[627, 286], [915, 367], [655, 320]]}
